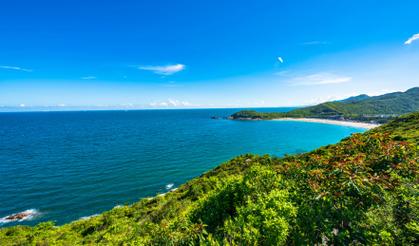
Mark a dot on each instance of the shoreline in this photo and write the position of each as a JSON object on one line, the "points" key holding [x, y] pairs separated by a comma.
{"points": [[332, 122]]}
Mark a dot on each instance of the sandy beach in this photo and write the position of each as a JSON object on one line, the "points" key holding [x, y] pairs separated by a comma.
{"points": [[333, 122]]}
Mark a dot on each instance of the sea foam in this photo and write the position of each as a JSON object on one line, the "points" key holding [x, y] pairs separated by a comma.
{"points": [[28, 214], [88, 217], [169, 186]]}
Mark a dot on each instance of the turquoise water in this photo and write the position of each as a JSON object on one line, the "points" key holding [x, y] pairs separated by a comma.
{"points": [[66, 165]]}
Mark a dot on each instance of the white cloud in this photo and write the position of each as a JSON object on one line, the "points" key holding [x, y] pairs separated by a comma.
{"points": [[16, 68], [170, 103], [164, 70], [88, 77], [320, 79], [411, 39]]}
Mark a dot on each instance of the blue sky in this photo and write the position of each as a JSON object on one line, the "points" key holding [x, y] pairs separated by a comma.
{"points": [[158, 54]]}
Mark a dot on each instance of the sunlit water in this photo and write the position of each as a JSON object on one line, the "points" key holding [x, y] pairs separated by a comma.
{"points": [[67, 165]]}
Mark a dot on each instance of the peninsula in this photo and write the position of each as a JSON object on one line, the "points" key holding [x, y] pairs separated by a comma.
{"points": [[362, 108]]}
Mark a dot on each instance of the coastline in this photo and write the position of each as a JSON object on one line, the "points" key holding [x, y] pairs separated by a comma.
{"points": [[332, 122]]}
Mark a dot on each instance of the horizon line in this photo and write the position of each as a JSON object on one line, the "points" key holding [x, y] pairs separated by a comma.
{"points": [[75, 109]]}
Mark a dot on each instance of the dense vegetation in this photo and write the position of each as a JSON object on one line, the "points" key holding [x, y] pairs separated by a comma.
{"points": [[362, 108], [355, 98], [363, 190]]}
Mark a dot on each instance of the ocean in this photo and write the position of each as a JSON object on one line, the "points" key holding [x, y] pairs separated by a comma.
{"points": [[63, 166]]}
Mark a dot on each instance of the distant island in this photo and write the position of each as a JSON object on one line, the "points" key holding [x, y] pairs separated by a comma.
{"points": [[362, 108]]}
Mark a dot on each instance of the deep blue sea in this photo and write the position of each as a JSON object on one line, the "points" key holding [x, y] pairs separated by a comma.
{"points": [[67, 165]]}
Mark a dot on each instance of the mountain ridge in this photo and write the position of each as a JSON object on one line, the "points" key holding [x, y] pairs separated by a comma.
{"points": [[376, 109], [354, 98]]}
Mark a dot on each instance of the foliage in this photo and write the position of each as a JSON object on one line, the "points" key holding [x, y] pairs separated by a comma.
{"points": [[362, 190], [361, 108]]}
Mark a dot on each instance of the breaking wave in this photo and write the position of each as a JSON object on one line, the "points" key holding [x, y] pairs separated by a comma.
{"points": [[28, 214]]}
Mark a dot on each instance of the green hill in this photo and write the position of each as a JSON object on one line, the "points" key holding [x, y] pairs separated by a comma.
{"points": [[363, 190], [355, 98], [361, 108]]}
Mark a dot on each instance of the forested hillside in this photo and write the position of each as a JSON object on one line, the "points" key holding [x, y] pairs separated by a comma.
{"points": [[378, 109], [363, 190]]}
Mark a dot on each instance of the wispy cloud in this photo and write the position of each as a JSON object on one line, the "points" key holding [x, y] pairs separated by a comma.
{"points": [[170, 103], [412, 39], [283, 73], [88, 77], [164, 70], [16, 68], [315, 42], [320, 79]]}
